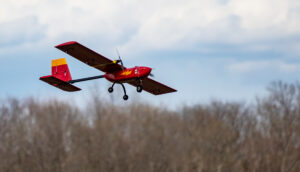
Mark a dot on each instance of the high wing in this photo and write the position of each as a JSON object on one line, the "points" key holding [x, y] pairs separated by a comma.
{"points": [[89, 57], [153, 87]]}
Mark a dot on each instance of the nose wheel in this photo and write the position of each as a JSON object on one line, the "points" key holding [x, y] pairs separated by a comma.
{"points": [[139, 88]]}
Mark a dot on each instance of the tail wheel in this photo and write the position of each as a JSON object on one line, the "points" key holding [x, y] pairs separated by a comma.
{"points": [[110, 89], [139, 88], [125, 97]]}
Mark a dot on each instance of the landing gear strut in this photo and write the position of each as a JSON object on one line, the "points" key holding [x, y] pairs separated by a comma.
{"points": [[111, 89], [139, 88], [125, 97]]}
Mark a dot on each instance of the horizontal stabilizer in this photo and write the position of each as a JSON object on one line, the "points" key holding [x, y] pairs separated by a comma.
{"points": [[52, 80]]}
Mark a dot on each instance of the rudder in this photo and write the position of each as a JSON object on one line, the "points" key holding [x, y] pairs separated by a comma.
{"points": [[61, 70]]}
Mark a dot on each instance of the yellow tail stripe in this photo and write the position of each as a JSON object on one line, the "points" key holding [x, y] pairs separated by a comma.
{"points": [[59, 62]]}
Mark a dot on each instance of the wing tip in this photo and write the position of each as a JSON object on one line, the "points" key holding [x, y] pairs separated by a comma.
{"points": [[66, 43], [171, 91]]}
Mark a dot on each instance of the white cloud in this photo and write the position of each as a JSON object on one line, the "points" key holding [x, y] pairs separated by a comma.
{"points": [[159, 24], [235, 22], [254, 66], [19, 30]]}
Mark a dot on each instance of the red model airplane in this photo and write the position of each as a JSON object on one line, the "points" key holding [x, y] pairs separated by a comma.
{"points": [[114, 72]]}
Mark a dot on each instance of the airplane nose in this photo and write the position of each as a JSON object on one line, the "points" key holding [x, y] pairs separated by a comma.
{"points": [[148, 70], [145, 71]]}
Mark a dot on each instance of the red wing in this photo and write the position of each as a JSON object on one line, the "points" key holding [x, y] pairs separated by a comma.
{"points": [[89, 56], [153, 87]]}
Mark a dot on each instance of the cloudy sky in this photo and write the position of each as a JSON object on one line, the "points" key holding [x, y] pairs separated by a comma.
{"points": [[207, 49]]}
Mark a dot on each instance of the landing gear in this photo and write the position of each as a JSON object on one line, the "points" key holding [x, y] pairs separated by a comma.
{"points": [[125, 97], [111, 89], [139, 88]]}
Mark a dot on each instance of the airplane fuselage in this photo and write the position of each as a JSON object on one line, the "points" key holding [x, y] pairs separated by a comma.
{"points": [[128, 74]]}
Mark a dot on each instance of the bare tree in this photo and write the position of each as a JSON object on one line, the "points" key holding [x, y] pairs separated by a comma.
{"points": [[221, 136]]}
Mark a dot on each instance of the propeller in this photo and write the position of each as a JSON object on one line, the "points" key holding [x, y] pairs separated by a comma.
{"points": [[120, 60], [151, 74]]}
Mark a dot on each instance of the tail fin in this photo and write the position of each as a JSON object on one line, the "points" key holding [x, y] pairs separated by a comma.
{"points": [[61, 70]]}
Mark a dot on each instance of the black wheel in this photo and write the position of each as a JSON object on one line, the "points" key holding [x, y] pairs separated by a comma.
{"points": [[125, 97], [139, 88], [110, 89]]}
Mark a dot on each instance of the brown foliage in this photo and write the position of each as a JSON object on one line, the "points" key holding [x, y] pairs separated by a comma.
{"points": [[223, 137]]}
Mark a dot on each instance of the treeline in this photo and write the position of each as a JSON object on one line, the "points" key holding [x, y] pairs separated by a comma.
{"points": [[56, 136]]}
